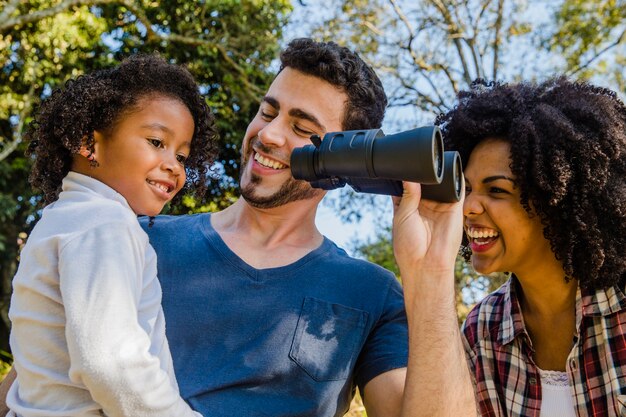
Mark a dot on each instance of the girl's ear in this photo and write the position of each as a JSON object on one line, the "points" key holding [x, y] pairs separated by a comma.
{"points": [[85, 152], [88, 153]]}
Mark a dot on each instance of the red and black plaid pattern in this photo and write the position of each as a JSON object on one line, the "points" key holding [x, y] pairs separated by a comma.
{"points": [[508, 383]]}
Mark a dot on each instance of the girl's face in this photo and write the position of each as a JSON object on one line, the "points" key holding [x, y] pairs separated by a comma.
{"points": [[143, 157], [503, 236]]}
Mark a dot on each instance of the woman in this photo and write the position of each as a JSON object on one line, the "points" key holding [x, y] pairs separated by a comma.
{"points": [[545, 169]]}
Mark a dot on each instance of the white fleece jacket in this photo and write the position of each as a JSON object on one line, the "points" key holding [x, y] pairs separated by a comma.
{"points": [[88, 332]]}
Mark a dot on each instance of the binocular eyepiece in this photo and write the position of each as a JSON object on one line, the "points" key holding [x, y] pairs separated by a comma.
{"points": [[371, 162]]}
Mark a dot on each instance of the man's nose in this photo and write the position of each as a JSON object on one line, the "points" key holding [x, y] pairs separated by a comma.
{"points": [[274, 133]]}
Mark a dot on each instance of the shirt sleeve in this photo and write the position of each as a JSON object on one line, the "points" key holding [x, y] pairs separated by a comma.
{"points": [[101, 276], [470, 356], [387, 346]]}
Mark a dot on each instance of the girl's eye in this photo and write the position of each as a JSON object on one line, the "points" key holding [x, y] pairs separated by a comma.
{"points": [[181, 159], [468, 190], [497, 190], [157, 143]]}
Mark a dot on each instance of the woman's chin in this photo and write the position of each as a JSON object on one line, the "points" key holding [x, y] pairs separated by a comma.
{"points": [[482, 266]]}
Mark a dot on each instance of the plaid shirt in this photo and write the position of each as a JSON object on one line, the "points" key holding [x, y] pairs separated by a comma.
{"points": [[500, 354]]}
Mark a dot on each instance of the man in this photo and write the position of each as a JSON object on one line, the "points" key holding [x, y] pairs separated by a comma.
{"points": [[266, 317]]}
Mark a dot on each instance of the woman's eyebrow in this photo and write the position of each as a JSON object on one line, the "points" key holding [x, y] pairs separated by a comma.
{"points": [[497, 177]]}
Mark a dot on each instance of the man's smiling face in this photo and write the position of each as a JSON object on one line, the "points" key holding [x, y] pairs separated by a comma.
{"points": [[295, 107]]}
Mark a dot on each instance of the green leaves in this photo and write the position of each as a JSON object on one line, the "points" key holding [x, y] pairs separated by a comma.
{"points": [[227, 46], [591, 36]]}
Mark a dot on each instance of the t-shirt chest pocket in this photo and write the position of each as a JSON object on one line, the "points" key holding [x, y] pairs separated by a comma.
{"points": [[327, 340]]}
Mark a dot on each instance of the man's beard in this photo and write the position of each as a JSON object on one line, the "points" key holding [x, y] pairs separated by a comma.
{"points": [[291, 190]]}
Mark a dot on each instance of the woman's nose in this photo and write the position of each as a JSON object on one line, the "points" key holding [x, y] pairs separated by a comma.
{"points": [[472, 205]]}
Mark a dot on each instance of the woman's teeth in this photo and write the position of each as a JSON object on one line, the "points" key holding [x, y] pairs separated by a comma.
{"points": [[475, 233]]}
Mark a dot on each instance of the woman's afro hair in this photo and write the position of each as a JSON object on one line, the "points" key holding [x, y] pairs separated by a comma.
{"points": [[96, 101], [568, 155]]}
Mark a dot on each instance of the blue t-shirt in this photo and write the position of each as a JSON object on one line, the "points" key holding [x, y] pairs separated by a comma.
{"points": [[288, 341]]}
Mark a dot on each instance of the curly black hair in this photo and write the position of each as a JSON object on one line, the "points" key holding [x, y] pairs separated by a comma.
{"points": [[342, 68], [568, 154], [96, 101]]}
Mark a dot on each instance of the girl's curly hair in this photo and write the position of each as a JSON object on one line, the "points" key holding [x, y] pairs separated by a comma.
{"points": [[568, 154], [97, 101]]}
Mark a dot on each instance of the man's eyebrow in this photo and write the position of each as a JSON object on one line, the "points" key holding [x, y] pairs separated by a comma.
{"points": [[272, 102], [497, 177], [301, 114]]}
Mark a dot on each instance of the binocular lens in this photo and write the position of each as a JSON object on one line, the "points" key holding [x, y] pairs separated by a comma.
{"points": [[450, 188], [371, 162], [414, 155]]}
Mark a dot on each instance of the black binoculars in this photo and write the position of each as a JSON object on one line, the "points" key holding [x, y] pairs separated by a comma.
{"points": [[371, 162]]}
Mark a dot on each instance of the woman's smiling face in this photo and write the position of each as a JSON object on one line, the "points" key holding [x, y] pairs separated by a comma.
{"points": [[503, 236]]}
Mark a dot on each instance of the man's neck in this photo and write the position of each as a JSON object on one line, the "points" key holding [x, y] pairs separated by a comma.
{"points": [[268, 238]]}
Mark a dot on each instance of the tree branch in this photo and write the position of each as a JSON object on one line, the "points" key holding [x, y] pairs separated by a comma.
{"points": [[470, 37], [420, 96], [455, 35], [19, 21], [139, 13], [141, 16], [497, 40], [222, 51], [453, 83], [17, 130], [619, 40], [8, 10], [402, 16]]}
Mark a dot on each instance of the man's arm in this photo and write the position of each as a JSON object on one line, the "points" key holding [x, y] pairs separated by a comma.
{"points": [[4, 389], [426, 238], [382, 395]]}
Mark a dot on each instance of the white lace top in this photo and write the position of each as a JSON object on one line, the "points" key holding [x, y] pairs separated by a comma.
{"points": [[556, 394]]}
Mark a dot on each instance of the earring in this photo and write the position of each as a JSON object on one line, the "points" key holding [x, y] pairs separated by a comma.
{"points": [[92, 160]]}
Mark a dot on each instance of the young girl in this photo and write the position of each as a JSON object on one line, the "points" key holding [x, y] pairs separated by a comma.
{"points": [[545, 171], [88, 333]]}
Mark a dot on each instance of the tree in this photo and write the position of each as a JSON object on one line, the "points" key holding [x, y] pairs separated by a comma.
{"points": [[592, 38], [427, 51], [228, 46]]}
